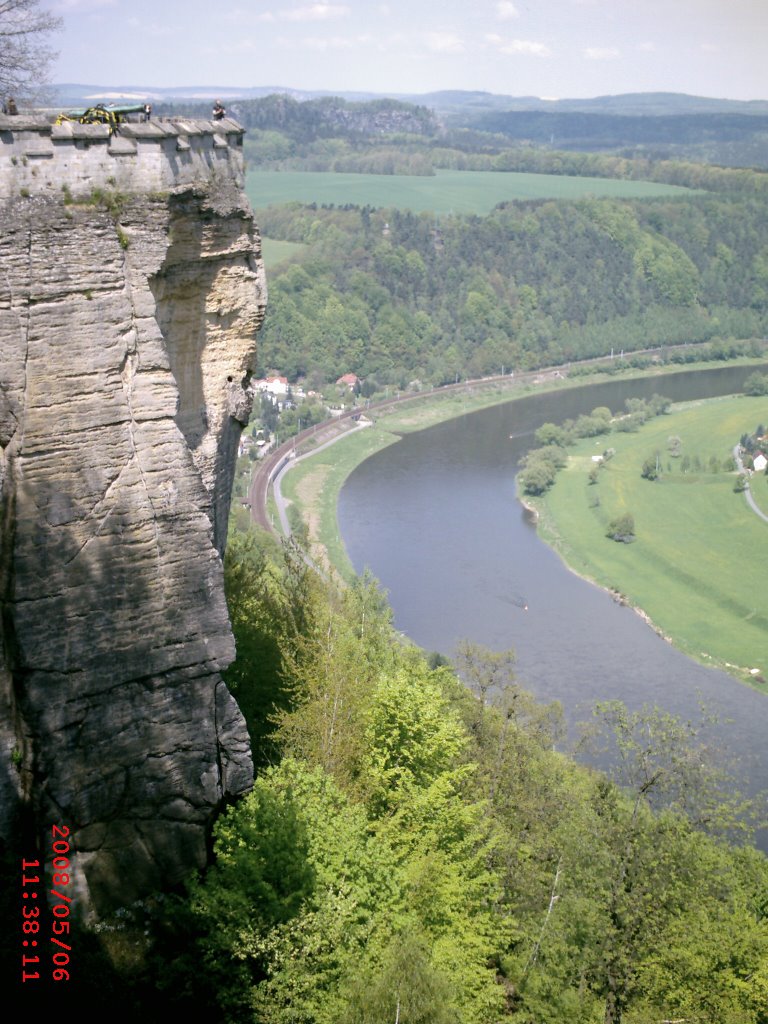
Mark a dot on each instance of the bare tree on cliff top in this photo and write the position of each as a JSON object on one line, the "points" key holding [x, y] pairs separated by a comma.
{"points": [[25, 56]]}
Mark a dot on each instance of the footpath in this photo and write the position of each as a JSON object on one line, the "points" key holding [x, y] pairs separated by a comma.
{"points": [[311, 440], [747, 492], [280, 501]]}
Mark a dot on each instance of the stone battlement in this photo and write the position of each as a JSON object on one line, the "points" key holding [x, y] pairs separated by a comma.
{"points": [[40, 158]]}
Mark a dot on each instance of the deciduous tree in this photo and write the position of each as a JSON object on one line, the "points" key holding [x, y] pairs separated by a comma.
{"points": [[756, 384], [668, 786], [25, 55], [622, 528]]}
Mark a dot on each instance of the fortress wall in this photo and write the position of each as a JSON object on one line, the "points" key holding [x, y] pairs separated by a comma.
{"points": [[40, 158]]}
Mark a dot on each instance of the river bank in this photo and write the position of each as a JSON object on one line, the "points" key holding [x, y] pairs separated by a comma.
{"points": [[313, 486], [534, 511], [691, 571]]}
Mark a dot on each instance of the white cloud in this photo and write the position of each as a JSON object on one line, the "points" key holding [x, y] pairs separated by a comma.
{"points": [[444, 42], [315, 12], [601, 53], [239, 14], [242, 16], [646, 47], [322, 43], [519, 47], [710, 48], [150, 28], [506, 10], [309, 12]]}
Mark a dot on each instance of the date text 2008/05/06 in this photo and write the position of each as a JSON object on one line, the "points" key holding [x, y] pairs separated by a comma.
{"points": [[33, 943]]}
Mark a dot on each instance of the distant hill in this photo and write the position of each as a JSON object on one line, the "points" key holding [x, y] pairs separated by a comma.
{"points": [[660, 125], [453, 101], [662, 103], [628, 104], [71, 93], [576, 129]]}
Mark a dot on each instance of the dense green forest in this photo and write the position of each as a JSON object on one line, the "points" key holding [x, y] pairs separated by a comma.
{"points": [[333, 133], [466, 149], [610, 131], [417, 851], [726, 138], [417, 846], [394, 296]]}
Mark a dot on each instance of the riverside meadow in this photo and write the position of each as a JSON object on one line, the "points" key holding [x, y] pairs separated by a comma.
{"points": [[692, 568]]}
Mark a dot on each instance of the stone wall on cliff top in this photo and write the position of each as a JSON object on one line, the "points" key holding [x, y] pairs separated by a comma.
{"points": [[128, 319]]}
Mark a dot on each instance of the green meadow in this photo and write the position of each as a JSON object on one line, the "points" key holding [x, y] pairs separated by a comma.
{"points": [[697, 566], [759, 487], [445, 192], [274, 251]]}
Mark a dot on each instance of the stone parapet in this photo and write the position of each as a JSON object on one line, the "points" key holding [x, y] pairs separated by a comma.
{"points": [[38, 158]]}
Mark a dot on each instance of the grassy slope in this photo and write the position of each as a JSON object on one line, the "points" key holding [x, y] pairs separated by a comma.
{"points": [[445, 192], [759, 487], [315, 484], [276, 251], [697, 567]]}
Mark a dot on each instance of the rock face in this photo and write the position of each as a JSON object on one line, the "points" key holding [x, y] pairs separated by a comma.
{"points": [[127, 333]]}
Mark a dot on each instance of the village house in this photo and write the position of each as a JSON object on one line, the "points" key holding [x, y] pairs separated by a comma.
{"points": [[277, 387]]}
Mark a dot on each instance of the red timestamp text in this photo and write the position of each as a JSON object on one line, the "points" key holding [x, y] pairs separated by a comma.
{"points": [[60, 925], [31, 877]]}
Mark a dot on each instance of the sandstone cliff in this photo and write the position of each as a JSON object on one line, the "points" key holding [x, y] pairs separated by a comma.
{"points": [[128, 320]]}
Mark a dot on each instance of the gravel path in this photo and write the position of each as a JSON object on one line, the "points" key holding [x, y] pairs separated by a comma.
{"points": [[747, 492], [279, 499]]}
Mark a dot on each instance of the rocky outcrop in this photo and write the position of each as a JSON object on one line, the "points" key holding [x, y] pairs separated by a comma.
{"points": [[127, 333]]}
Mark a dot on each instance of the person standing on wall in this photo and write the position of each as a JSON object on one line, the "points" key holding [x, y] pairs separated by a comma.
{"points": [[219, 113]]}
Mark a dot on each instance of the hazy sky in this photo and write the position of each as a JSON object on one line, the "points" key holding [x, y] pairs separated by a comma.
{"points": [[551, 48]]}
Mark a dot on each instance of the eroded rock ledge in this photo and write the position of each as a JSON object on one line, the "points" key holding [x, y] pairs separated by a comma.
{"points": [[127, 333]]}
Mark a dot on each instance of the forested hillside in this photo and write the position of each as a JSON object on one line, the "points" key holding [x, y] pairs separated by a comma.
{"points": [[315, 133], [335, 117], [417, 847], [657, 126], [394, 296], [415, 851], [725, 138]]}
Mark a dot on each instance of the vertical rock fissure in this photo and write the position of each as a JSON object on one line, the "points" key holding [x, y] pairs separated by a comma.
{"points": [[129, 368], [16, 787]]}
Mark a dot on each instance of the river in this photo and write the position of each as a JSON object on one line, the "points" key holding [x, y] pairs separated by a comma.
{"points": [[436, 519]]}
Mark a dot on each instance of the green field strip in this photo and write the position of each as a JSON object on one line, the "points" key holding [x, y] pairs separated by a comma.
{"points": [[275, 252], [463, 192]]}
